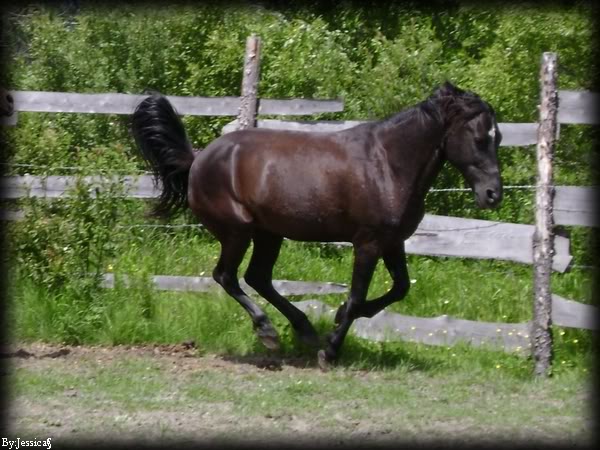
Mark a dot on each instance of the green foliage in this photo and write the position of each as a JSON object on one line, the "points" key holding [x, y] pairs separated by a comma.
{"points": [[63, 247], [69, 238]]}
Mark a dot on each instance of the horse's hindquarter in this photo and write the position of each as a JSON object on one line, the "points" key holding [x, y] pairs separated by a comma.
{"points": [[300, 185], [304, 186]]}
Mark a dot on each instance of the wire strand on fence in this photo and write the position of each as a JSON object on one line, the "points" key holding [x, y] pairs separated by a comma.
{"points": [[73, 168], [144, 225], [524, 186]]}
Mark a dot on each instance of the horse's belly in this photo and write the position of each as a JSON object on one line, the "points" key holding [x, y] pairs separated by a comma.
{"points": [[311, 229]]}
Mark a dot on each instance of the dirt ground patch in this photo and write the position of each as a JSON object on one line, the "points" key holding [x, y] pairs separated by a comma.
{"points": [[172, 392]]}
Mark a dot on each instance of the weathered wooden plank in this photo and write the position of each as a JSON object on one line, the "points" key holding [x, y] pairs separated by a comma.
{"points": [[447, 331], [578, 107], [518, 134], [513, 134], [440, 331], [474, 238], [575, 205], [572, 314], [298, 125], [204, 284], [299, 106], [40, 101], [55, 186]]}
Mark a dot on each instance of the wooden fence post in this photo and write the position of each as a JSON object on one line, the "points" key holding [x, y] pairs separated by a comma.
{"points": [[543, 239], [249, 100]]}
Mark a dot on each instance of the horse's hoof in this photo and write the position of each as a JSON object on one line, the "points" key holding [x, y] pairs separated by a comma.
{"points": [[268, 336], [325, 363]]}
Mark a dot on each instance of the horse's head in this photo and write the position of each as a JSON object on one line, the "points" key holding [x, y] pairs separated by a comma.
{"points": [[471, 144]]}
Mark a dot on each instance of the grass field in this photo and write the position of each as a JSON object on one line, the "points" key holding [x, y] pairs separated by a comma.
{"points": [[159, 393]]}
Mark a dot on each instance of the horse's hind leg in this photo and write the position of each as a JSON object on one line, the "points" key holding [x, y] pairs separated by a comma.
{"points": [[260, 276], [233, 248]]}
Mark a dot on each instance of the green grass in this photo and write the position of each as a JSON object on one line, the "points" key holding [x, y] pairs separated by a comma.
{"points": [[443, 401], [479, 290]]}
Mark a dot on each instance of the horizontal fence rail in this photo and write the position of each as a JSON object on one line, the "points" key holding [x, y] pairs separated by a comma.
{"points": [[572, 314], [11, 215], [447, 331], [575, 205], [513, 134], [578, 107], [205, 284], [63, 102], [480, 239], [56, 186], [483, 239]]}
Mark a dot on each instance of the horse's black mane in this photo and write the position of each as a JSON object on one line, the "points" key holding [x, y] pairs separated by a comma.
{"points": [[448, 103]]}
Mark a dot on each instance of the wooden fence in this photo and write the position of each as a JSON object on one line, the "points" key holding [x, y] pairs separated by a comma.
{"points": [[436, 235]]}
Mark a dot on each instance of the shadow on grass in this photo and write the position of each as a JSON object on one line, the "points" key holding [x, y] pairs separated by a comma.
{"points": [[356, 354]]}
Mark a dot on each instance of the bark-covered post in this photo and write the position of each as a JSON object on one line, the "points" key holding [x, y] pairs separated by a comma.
{"points": [[249, 99], [543, 239]]}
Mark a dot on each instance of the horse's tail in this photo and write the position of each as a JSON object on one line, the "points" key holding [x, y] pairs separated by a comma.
{"points": [[160, 135]]}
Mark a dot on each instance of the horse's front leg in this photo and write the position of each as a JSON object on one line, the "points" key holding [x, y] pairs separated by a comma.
{"points": [[366, 255], [394, 258]]}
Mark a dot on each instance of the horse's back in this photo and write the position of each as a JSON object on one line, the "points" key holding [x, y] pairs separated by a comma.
{"points": [[302, 185]]}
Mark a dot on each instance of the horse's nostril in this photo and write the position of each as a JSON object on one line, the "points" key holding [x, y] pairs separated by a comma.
{"points": [[491, 195]]}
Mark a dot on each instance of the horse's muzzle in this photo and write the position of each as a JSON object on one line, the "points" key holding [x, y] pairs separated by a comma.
{"points": [[489, 196]]}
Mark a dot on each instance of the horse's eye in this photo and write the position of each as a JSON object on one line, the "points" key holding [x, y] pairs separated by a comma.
{"points": [[481, 140]]}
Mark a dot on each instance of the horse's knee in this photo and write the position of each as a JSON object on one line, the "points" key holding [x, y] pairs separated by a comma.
{"points": [[256, 281], [225, 279]]}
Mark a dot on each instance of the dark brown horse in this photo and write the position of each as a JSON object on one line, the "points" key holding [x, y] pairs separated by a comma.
{"points": [[365, 185]]}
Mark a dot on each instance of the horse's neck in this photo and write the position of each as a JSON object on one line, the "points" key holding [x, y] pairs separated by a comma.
{"points": [[415, 143]]}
